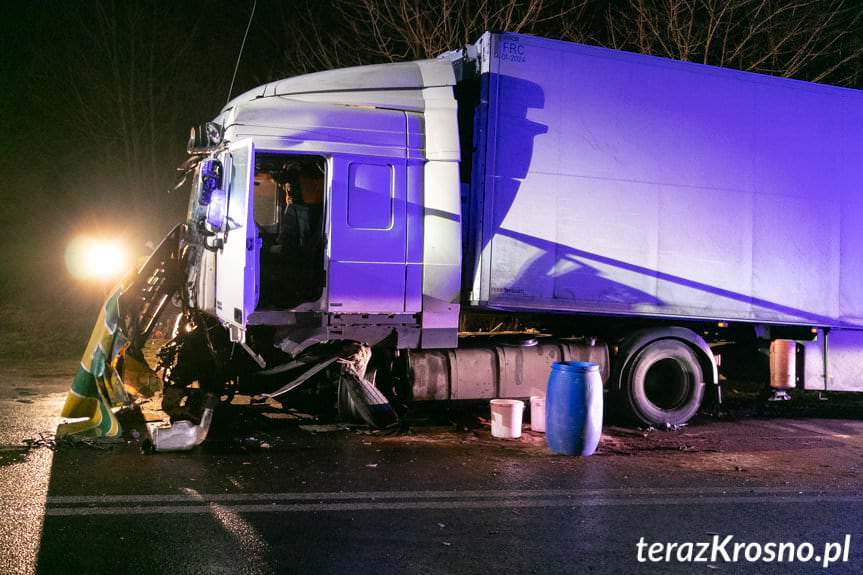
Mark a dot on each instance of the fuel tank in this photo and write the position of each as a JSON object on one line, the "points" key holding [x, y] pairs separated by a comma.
{"points": [[481, 372]]}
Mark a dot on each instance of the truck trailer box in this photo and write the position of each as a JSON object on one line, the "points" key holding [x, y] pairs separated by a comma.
{"points": [[609, 182]]}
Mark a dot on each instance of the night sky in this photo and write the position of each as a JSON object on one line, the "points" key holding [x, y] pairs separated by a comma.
{"points": [[97, 97]]}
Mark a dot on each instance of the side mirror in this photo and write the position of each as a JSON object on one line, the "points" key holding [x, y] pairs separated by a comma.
{"points": [[205, 138], [211, 180]]}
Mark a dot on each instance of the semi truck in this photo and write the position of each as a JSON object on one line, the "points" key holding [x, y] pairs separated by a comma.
{"points": [[473, 218]]}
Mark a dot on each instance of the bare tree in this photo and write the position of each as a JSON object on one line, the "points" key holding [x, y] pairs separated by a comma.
{"points": [[123, 73], [809, 39], [369, 31]]}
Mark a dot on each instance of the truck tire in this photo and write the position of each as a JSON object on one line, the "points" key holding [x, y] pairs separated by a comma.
{"points": [[663, 383]]}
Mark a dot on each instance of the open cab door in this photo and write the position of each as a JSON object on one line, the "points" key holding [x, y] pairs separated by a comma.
{"points": [[237, 261]]}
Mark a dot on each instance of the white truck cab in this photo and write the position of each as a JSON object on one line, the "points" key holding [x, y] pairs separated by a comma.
{"points": [[385, 142]]}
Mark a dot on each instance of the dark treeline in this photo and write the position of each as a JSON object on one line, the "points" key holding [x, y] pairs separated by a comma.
{"points": [[98, 96]]}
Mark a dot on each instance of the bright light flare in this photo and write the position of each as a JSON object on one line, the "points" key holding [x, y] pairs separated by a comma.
{"points": [[98, 259]]}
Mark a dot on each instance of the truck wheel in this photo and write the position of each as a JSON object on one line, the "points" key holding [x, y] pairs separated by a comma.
{"points": [[663, 383]]}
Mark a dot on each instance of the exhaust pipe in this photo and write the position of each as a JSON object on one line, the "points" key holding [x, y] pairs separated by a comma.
{"points": [[183, 435]]}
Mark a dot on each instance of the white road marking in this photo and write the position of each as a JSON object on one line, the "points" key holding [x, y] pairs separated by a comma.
{"points": [[334, 501], [450, 494], [431, 505]]}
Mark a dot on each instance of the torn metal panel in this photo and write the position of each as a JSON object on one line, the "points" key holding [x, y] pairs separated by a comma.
{"points": [[97, 386], [146, 292], [125, 322]]}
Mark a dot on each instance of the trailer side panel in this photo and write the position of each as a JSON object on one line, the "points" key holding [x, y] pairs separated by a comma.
{"points": [[617, 183]]}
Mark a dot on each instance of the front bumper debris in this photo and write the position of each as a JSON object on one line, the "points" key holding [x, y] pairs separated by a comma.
{"points": [[125, 322]]}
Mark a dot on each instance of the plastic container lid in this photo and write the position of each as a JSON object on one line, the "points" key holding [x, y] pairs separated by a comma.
{"points": [[582, 366]]}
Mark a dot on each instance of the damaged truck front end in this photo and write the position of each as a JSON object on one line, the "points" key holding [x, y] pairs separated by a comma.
{"points": [[320, 261], [304, 246], [310, 230]]}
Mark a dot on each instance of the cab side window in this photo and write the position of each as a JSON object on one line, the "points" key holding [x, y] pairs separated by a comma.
{"points": [[370, 196]]}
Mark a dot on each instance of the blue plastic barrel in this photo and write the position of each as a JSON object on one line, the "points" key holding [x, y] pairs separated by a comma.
{"points": [[573, 408]]}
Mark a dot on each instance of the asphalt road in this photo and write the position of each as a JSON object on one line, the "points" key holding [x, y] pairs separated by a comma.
{"points": [[432, 501]]}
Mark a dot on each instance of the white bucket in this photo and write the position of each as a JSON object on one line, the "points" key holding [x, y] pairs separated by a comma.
{"points": [[506, 415], [537, 413]]}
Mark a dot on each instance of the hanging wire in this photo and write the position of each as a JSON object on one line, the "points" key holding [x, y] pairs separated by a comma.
{"points": [[240, 55]]}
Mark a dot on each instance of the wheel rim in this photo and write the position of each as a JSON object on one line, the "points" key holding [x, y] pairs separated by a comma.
{"points": [[667, 384]]}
